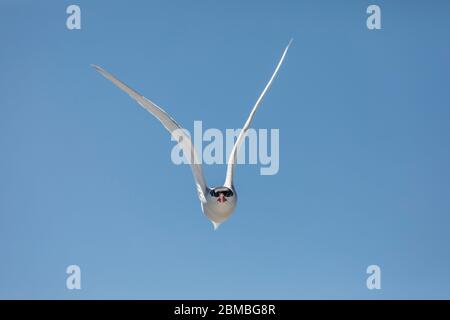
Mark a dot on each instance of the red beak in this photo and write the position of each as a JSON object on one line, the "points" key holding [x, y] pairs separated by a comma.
{"points": [[222, 198]]}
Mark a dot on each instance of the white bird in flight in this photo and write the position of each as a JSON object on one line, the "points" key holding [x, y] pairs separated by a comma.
{"points": [[217, 203]]}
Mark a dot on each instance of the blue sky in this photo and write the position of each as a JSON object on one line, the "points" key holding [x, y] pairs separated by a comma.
{"points": [[86, 176]]}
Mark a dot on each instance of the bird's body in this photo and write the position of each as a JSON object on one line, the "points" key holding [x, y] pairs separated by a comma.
{"points": [[220, 204], [217, 203]]}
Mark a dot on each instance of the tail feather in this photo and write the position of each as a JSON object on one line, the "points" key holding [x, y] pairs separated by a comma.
{"points": [[216, 225]]}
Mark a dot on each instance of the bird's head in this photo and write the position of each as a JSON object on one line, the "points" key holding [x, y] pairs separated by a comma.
{"points": [[223, 194]]}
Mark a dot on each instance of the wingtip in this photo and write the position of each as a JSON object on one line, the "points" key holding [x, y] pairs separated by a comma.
{"points": [[290, 41], [96, 67], [100, 70]]}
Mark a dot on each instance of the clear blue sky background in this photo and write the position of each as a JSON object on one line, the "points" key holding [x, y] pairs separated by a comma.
{"points": [[86, 176]]}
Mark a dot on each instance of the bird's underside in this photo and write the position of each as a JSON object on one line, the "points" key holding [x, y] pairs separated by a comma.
{"points": [[217, 203]]}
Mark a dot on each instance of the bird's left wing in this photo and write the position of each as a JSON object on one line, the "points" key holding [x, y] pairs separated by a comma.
{"points": [[233, 155], [171, 125]]}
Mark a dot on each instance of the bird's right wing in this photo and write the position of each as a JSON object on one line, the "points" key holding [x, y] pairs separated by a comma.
{"points": [[170, 124]]}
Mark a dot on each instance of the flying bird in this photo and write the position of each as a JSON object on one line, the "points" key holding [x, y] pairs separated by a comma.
{"points": [[217, 203]]}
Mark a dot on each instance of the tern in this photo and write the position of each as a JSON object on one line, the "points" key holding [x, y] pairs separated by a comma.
{"points": [[220, 202]]}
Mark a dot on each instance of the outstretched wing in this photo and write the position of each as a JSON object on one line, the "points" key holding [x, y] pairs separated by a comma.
{"points": [[170, 124], [235, 150]]}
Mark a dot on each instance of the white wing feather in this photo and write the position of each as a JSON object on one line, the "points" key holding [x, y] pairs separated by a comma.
{"points": [[235, 150], [171, 125]]}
